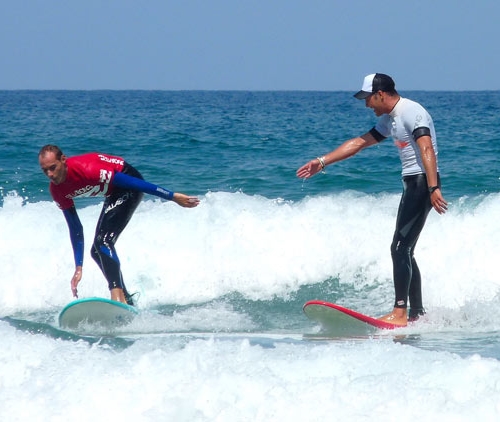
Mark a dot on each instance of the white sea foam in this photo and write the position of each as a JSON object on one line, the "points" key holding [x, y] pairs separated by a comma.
{"points": [[224, 379], [251, 245]]}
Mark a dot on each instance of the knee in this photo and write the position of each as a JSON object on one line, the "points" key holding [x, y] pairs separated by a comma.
{"points": [[98, 248], [400, 249], [102, 249], [94, 254], [394, 248]]}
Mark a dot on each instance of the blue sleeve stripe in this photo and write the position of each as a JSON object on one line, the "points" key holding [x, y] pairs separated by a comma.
{"points": [[75, 234], [125, 181]]}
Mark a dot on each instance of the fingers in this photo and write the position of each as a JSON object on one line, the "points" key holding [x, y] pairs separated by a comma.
{"points": [[304, 172], [307, 170], [74, 290], [440, 205], [185, 200], [191, 202], [77, 276], [441, 208]]}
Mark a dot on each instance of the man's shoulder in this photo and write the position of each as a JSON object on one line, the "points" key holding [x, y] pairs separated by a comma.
{"points": [[408, 104], [410, 110], [97, 157], [88, 156]]}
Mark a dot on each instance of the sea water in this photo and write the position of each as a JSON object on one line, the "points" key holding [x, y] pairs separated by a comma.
{"points": [[221, 335]]}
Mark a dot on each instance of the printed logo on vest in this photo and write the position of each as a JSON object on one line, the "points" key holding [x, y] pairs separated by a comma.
{"points": [[401, 144]]}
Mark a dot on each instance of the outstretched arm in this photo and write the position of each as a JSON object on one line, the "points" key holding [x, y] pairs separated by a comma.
{"points": [[346, 150], [129, 182], [77, 242]]}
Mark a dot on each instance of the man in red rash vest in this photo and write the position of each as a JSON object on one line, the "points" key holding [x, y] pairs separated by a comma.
{"points": [[96, 174]]}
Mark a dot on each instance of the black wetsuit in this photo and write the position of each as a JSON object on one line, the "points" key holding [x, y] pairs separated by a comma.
{"points": [[117, 211], [406, 123], [413, 210]]}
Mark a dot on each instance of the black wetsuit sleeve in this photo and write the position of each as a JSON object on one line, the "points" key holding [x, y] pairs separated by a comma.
{"points": [[125, 181], [376, 134], [75, 234]]}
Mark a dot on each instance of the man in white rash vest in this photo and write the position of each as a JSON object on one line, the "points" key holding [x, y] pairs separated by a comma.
{"points": [[412, 129]]}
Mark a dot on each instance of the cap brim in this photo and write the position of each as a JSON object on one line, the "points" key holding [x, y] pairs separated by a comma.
{"points": [[361, 95]]}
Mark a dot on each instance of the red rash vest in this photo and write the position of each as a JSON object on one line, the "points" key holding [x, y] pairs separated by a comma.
{"points": [[88, 175]]}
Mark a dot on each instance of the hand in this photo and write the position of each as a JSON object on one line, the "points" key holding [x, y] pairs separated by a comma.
{"points": [[309, 169], [185, 200], [438, 202], [77, 276]]}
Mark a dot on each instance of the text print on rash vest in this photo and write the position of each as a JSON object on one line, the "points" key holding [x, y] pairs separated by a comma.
{"points": [[105, 176], [89, 190], [110, 159]]}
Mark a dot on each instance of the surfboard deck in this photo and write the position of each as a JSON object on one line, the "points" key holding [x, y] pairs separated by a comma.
{"points": [[340, 321], [96, 311]]}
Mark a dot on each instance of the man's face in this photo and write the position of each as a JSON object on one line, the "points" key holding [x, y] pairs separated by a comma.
{"points": [[53, 168], [376, 103]]}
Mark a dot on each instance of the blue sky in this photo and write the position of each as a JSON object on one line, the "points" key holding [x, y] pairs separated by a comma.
{"points": [[248, 44]]}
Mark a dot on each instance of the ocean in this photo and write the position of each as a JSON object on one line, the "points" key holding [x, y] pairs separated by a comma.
{"points": [[221, 335]]}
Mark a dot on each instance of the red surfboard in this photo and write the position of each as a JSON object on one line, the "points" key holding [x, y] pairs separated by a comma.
{"points": [[337, 320]]}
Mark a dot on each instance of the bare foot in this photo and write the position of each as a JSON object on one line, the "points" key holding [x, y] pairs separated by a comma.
{"points": [[396, 317], [118, 295]]}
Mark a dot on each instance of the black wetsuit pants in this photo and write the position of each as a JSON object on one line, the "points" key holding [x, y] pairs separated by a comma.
{"points": [[413, 211], [116, 212]]}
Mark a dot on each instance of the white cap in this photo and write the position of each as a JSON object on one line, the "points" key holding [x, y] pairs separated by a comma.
{"points": [[373, 83]]}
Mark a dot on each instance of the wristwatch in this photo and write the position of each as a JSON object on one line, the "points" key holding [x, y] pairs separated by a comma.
{"points": [[432, 189]]}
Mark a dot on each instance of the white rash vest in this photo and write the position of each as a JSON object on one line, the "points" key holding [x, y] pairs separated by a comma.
{"points": [[400, 124]]}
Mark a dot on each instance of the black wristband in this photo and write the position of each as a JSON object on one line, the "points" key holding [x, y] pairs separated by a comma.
{"points": [[432, 189]]}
